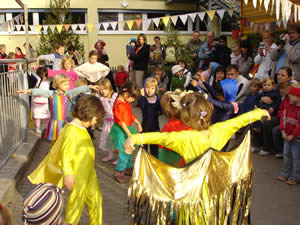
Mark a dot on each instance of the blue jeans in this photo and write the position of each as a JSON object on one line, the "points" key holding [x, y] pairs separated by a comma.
{"points": [[291, 160]]}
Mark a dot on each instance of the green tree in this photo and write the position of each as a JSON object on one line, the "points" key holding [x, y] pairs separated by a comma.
{"points": [[59, 14]]}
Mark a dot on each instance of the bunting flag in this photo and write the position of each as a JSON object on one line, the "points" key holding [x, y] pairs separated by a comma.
{"points": [[260, 3], [114, 25], [295, 13], [67, 27], [59, 28], [266, 5], [52, 28], [246, 2], [174, 19], [166, 20], [277, 9], [33, 28], [90, 27], [211, 14], [261, 28], [97, 26], [272, 9], [221, 13], [129, 24], [147, 23], [17, 19], [45, 28], [272, 26], [201, 15], [254, 3], [255, 28], [251, 24], [278, 23], [138, 23], [156, 21], [230, 12], [106, 25], [298, 12], [285, 22], [18, 27], [121, 24], [39, 28], [193, 16], [183, 18], [74, 27], [81, 27], [267, 26]]}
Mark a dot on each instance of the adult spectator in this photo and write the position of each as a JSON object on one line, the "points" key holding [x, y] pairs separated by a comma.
{"points": [[263, 57], [232, 72], [221, 53], [30, 53], [194, 46], [288, 52], [247, 62], [3, 55], [206, 49], [272, 138], [102, 55], [18, 53], [140, 60], [157, 52]]}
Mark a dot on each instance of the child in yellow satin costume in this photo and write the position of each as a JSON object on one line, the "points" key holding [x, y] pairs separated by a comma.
{"points": [[196, 112], [71, 163]]}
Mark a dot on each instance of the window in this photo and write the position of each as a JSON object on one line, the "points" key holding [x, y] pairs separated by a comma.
{"points": [[133, 16], [77, 17], [227, 22], [2, 17], [152, 25], [108, 17]]}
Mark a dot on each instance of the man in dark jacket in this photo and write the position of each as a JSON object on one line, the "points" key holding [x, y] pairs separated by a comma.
{"points": [[221, 53]]}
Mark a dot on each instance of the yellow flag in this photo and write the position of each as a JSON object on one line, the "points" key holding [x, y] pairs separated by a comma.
{"points": [[130, 24], [90, 27], [39, 28], [59, 28], [165, 20], [211, 14]]}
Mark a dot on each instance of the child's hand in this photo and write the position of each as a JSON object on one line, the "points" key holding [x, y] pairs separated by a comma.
{"points": [[271, 110], [69, 182], [194, 83], [140, 129], [142, 92], [94, 87], [267, 114], [129, 146], [28, 91], [289, 138]]}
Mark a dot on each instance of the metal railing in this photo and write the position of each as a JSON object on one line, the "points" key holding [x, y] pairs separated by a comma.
{"points": [[14, 109]]}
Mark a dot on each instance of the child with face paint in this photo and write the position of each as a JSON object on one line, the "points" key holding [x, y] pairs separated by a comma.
{"points": [[149, 103]]}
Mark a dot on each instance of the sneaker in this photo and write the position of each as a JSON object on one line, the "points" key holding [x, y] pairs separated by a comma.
{"points": [[279, 156], [128, 172], [115, 162], [255, 149], [107, 158], [119, 177], [291, 181], [264, 153], [282, 179]]}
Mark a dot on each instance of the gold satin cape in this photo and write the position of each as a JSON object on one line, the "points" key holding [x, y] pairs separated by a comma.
{"points": [[73, 154], [213, 189]]}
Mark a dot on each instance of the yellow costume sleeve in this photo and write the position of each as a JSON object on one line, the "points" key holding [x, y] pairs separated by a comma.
{"points": [[68, 145], [191, 144]]}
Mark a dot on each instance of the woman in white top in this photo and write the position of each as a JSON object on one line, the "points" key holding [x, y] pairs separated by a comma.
{"points": [[263, 56]]}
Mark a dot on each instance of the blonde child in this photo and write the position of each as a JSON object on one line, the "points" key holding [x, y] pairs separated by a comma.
{"points": [[56, 58], [122, 128], [6, 217], [107, 98], [92, 70], [196, 112], [71, 163], [236, 55], [67, 64], [149, 103], [170, 107], [40, 107], [121, 76], [59, 103]]}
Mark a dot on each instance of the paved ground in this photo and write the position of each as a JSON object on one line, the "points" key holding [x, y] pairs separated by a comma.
{"points": [[273, 203]]}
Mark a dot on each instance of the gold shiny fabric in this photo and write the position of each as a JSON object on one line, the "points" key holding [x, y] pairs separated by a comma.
{"points": [[214, 189]]}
